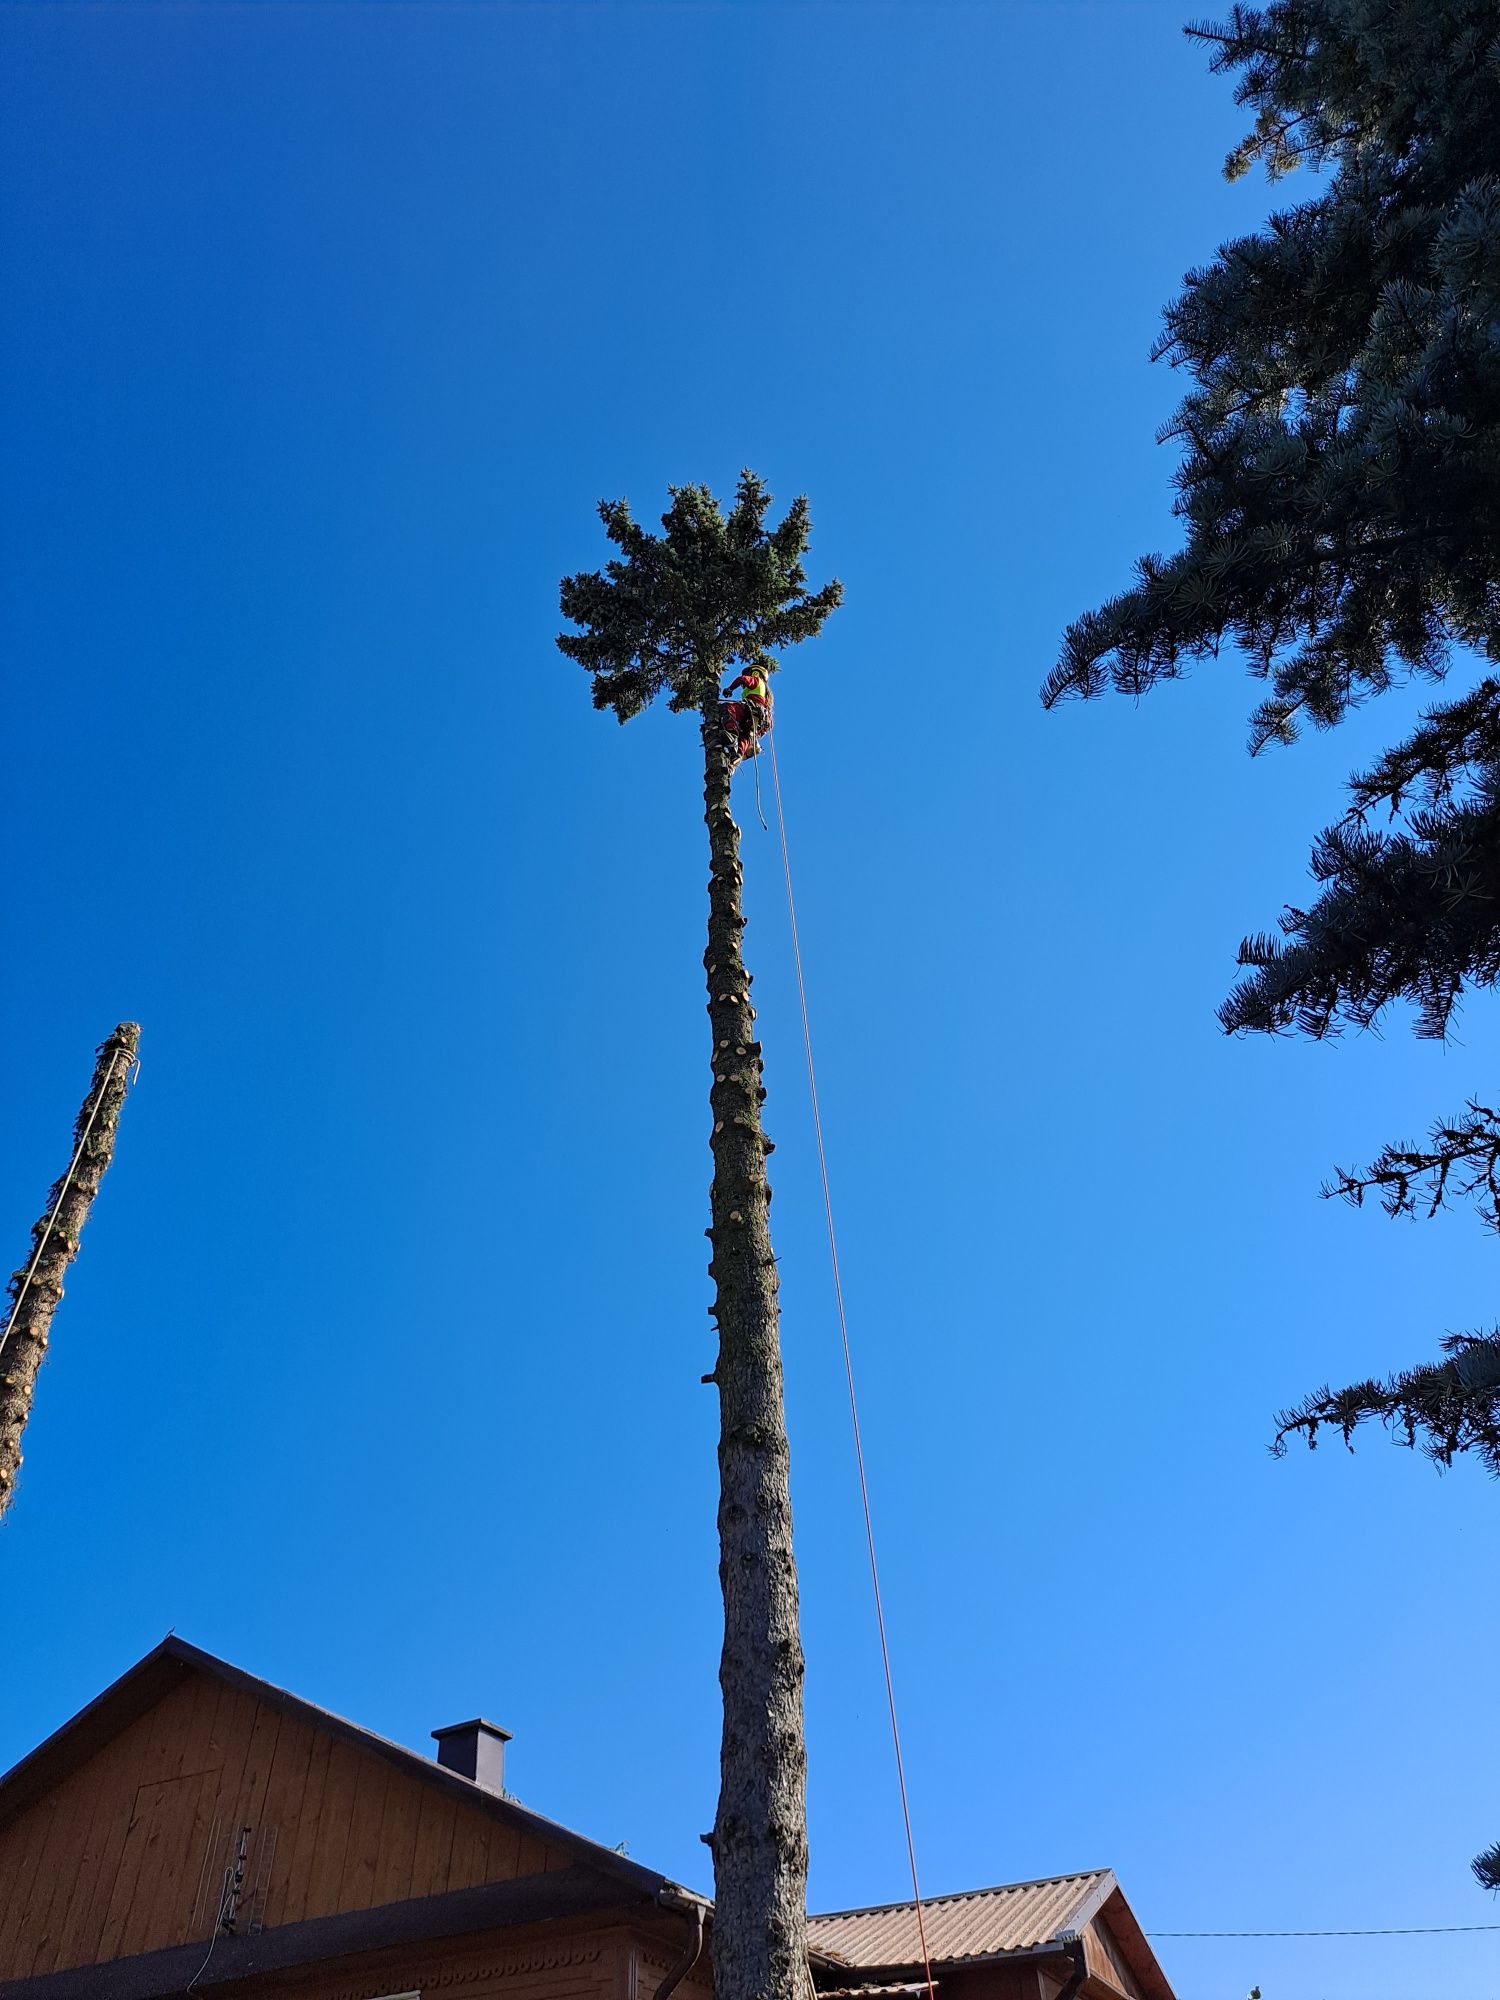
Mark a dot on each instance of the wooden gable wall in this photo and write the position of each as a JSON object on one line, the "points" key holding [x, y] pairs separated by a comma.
{"points": [[1105, 1960], [1106, 1964], [127, 1853]]}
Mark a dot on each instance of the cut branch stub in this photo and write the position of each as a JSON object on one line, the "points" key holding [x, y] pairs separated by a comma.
{"points": [[37, 1286], [760, 1841]]}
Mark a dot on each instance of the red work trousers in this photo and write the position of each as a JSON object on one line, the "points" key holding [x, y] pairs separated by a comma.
{"points": [[747, 722]]}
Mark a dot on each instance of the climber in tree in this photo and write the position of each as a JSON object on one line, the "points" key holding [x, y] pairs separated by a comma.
{"points": [[747, 721]]}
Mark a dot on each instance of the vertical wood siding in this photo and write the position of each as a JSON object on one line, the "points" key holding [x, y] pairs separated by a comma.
{"points": [[1106, 1961], [127, 1853]]}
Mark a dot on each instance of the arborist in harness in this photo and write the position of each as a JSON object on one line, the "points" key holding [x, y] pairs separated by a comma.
{"points": [[749, 719]]}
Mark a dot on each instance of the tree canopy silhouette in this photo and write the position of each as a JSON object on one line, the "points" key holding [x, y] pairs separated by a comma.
{"points": [[1339, 488]]}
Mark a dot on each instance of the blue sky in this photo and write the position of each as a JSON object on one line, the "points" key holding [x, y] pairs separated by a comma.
{"points": [[327, 325]]}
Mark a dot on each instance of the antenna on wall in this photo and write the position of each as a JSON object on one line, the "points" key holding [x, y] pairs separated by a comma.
{"points": [[231, 1888]]}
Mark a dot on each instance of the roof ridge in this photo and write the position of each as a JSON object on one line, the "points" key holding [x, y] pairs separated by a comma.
{"points": [[84, 1732], [425, 1768], [962, 1895]]}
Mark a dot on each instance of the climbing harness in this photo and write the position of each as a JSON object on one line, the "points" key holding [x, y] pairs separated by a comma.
{"points": [[747, 721]]}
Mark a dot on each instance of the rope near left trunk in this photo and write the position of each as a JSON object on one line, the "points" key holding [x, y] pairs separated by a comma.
{"points": [[36, 1288]]}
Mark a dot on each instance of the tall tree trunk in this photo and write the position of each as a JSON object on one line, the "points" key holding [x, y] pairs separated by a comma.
{"points": [[760, 1831], [36, 1288]]}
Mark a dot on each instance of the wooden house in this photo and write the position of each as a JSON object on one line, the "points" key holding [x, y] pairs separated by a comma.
{"points": [[196, 1831]]}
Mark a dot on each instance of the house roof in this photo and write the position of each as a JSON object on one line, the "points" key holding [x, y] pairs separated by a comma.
{"points": [[980, 1923], [1018, 1918], [1014, 1919], [167, 1665]]}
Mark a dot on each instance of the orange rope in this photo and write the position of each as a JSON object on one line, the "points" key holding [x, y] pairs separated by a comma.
{"points": [[859, 1451]]}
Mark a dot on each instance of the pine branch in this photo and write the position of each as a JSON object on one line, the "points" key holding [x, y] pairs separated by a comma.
{"points": [[1444, 1410], [1342, 518], [1450, 748], [1463, 1162], [1341, 521], [1413, 915]]}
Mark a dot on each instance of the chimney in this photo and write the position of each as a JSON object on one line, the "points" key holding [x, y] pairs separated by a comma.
{"points": [[474, 1750]]}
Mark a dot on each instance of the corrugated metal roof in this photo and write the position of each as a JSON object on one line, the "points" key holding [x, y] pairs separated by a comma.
{"points": [[981, 1923]]}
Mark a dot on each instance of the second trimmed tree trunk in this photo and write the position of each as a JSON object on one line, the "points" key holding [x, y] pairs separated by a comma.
{"points": [[36, 1288], [760, 1836]]}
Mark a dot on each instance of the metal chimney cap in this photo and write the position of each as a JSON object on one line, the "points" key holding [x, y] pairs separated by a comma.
{"points": [[474, 1750], [466, 1728]]}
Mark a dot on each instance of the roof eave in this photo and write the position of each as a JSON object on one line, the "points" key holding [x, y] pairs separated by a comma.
{"points": [[877, 1975], [560, 1896]]}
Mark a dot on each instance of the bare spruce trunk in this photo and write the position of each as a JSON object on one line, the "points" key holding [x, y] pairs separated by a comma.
{"points": [[36, 1288], [760, 1831]]}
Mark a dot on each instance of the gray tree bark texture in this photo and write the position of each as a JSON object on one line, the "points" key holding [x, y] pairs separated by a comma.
{"points": [[36, 1288], [760, 1831]]}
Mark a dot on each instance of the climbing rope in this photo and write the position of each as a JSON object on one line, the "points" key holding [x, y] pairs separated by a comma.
{"points": [[859, 1451], [760, 811]]}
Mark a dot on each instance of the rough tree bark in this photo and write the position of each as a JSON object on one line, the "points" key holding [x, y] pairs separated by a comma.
{"points": [[760, 1838], [36, 1288]]}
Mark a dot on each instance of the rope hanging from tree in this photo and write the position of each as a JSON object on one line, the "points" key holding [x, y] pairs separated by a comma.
{"points": [[838, 1293]]}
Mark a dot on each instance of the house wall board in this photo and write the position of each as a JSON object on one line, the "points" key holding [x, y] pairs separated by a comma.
{"points": [[127, 1853]]}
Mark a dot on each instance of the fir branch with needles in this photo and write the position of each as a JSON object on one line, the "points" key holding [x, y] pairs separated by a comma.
{"points": [[1340, 506]]}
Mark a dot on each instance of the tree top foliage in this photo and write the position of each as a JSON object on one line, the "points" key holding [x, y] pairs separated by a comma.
{"points": [[673, 611], [1338, 482]]}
